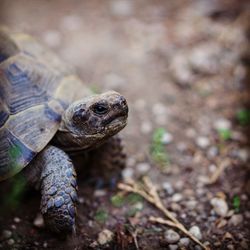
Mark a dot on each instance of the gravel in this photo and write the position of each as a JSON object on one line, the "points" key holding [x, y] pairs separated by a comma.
{"points": [[236, 219], [105, 236], [171, 236], [220, 206], [196, 232], [202, 142]]}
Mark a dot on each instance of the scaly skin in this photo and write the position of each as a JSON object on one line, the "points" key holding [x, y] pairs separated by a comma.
{"points": [[58, 188]]}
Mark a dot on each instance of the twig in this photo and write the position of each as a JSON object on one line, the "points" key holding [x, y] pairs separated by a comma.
{"points": [[149, 191], [223, 165]]}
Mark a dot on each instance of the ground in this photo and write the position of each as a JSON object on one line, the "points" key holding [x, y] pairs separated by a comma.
{"points": [[183, 67]]}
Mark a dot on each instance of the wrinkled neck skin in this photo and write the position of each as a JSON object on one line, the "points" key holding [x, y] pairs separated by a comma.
{"points": [[67, 140]]}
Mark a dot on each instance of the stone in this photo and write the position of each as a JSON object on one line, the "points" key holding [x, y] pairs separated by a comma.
{"points": [[196, 232], [167, 138], [172, 247], [220, 206], [17, 220], [105, 237], [202, 142], [6, 234], [222, 123], [171, 236], [100, 193], [39, 221], [184, 242], [191, 204], [168, 187], [143, 167], [177, 197], [127, 173], [146, 127], [235, 220], [11, 242]]}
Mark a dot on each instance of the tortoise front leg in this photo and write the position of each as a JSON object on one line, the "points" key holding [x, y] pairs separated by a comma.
{"points": [[107, 161], [57, 181]]}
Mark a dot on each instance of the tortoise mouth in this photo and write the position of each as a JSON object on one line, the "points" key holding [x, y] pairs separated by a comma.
{"points": [[116, 124]]}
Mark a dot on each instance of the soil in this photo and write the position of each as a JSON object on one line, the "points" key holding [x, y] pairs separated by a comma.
{"points": [[184, 68]]}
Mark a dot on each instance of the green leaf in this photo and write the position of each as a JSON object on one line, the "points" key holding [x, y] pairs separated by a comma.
{"points": [[101, 216], [243, 116], [236, 203], [158, 150], [225, 134], [118, 200]]}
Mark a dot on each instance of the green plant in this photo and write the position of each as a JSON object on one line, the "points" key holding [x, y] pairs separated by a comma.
{"points": [[225, 134], [101, 216], [236, 203], [118, 200], [243, 116], [158, 151]]}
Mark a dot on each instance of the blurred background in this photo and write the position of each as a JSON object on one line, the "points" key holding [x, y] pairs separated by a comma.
{"points": [[184, 68]]}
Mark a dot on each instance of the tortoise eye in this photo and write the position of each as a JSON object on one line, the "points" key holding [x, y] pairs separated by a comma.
{"points": [[100, 109]]}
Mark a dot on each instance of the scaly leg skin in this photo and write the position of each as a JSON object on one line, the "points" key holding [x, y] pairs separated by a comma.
{"points": [[107, 162], [53, 171]]}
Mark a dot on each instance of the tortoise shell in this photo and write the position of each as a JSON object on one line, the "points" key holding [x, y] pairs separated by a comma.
{"points": [[35, 89]]}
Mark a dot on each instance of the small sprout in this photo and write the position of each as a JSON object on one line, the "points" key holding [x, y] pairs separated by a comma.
{"points": [[236, 203], [158, 151], [133, 198], [118, 200], [243, 116], [101, 216], [225, 134]]}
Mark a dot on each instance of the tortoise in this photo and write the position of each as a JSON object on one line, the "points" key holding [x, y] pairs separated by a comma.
{"points": [[47, 117]]}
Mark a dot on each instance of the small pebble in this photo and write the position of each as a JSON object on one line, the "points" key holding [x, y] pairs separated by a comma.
{"points": [[222, 123], [39, 221], [212, 152], [191, 204], [17, 220], [127, 173], [235, 220], [196, 232], [202, 142], [100, 193], [143, 167], [230, 247], [177, 197], [11, 242], [172, 247], [168, 187], [6, 234], [146, 127], [105, 236], [167, 138], [184, 242], [81, 200], [197, 247], [45, 244], [171, 236], [220, 206]]}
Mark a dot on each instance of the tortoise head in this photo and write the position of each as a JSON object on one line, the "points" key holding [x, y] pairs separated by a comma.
{"points": [[92, 120]]}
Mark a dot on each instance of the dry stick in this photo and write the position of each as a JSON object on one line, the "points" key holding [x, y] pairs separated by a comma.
{"points": [[224, 164], [151, 195]]}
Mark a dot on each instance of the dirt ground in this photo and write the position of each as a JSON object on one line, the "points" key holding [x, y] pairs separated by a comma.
{"points": [[184, 68]]}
